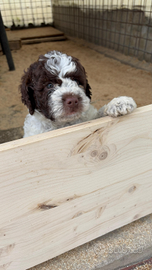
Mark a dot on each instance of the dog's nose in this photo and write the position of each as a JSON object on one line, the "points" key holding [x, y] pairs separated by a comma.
{"points": [[71, 101]]}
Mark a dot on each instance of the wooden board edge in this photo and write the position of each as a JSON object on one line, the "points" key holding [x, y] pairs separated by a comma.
{"points": [[70, 129]]}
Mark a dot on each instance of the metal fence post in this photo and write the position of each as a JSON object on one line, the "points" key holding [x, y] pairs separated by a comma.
{"points": [[5, 45]]}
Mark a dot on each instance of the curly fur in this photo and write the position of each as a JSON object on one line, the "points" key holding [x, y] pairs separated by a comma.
{"points": [[56, 92]]}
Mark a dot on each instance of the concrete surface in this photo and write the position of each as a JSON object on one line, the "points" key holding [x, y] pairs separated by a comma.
{"points": [[11, 134], [143, 265]]}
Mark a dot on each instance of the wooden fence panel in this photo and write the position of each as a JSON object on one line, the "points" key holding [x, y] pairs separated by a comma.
{"points": [[61, 189]]}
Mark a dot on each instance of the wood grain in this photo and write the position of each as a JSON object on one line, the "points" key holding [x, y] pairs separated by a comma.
{"points": [[66, 187]]}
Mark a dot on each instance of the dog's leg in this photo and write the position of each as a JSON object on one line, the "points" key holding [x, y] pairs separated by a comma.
{"points": [[118, 106]]}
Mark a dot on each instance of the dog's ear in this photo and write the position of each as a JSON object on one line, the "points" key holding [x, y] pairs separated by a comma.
{"points": [[88, 90], [27, 89]]}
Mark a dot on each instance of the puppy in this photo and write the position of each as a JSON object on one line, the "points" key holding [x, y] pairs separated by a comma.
{"points": [[56, 92]]}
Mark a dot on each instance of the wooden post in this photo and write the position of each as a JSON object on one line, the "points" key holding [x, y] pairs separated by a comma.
{"points": [[5, 45], [63, 188]]}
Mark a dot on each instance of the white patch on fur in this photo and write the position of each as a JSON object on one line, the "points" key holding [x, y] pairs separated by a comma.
{"points": [[59, 63], [68, 87], [38, 123], [120, 106]]}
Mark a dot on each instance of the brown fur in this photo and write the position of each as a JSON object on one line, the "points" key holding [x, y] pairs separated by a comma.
{"points": [[34, 91]]}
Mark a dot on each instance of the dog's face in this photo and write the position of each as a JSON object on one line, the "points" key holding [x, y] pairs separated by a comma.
{"points": [[56, 85]]}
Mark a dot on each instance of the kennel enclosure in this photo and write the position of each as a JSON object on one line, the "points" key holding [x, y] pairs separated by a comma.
{"points": [[124, 26], [121, 25], [72, 185]]}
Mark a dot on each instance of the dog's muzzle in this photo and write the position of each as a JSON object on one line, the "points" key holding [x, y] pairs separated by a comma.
{"points": [[71, 103]]}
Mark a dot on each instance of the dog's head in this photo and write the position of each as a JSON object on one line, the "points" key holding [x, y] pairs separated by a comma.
{"points": [[56, 85]]}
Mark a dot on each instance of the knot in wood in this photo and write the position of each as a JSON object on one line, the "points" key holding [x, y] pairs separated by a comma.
{"points": [[94, 153], [132, 189], [46, 206], [103, 155]]}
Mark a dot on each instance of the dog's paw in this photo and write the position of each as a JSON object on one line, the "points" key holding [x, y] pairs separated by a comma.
{"points": [[120, 106]]}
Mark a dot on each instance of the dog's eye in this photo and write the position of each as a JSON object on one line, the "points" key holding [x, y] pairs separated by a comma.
{"points": [[50, 85]]}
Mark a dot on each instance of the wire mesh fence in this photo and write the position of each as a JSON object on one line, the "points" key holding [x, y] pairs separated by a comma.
{"points": [[122, 25], [26, 13]]}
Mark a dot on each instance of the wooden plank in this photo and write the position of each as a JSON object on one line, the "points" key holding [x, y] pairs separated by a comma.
{"points": [[39, 40], [14, 44], [33, 33], [66, 187]]}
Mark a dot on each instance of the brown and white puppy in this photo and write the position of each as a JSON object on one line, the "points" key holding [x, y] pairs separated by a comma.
{"points": [[56, 91]]}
